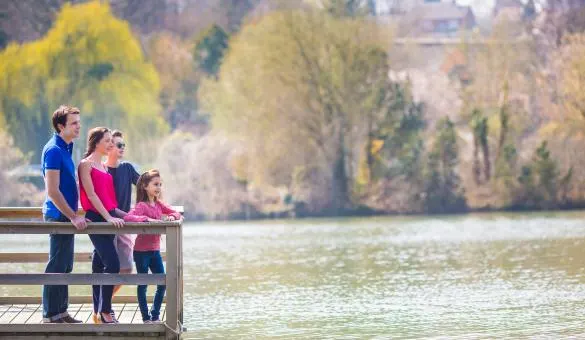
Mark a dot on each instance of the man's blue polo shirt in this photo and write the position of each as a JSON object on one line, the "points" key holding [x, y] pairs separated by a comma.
{"points": [[57, 156]]}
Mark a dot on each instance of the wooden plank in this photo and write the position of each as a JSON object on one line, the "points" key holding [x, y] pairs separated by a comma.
{"points": [[43, 257], [4, 308], [36, 316], [24, 314], [38, 257], [137, 318], [172, 282], [82, 328], [76, 299], [20, 212], [82, 279], [8, 314], [36, 212], [38, 227], [126, 313], [84, 336], [85, 313]]}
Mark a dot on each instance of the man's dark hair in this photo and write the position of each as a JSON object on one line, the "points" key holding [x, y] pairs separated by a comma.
{"points": [[60, 116], [117, 133]]}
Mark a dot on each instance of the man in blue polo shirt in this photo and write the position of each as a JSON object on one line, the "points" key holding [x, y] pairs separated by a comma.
{"points": [[60, 206]]}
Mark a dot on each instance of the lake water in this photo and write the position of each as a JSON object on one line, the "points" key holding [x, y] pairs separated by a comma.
{"points": [[466, 277]]}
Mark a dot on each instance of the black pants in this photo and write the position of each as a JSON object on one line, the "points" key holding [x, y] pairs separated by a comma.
{"points": [[105, 260]]}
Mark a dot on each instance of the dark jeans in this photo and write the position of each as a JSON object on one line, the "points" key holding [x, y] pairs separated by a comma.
{"points": [[105, 260], [56, 298], [152, 260]]}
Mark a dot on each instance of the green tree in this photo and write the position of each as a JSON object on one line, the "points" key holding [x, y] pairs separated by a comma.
{"points": [[479, 127], [88, 59], [347, 8], [443, 192], [308, 79], [401, 132], [540, 183], [209, 50]]}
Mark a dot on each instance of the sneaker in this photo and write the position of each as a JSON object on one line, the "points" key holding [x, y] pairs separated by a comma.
{"points": [[147, 321], [69, 319], [157, 321], [54, 321]]}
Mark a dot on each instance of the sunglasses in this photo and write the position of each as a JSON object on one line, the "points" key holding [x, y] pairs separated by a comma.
{"points": [[121, 145]]}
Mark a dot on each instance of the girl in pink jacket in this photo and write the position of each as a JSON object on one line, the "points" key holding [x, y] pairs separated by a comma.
{"points": [[150, 208]]}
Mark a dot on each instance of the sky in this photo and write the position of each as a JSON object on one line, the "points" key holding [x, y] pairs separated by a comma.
{"points": [[480, 7]]}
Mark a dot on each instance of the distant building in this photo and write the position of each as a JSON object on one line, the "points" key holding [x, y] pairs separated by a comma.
{"points": [[444, 18], [508, 10]]}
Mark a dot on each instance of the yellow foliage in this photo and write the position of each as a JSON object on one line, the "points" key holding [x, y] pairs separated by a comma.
{"points": [[571, 64], [89, 59], [377, 145]]}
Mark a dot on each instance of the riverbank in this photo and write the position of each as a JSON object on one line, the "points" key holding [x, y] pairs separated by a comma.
{"points": [[368, 212]]}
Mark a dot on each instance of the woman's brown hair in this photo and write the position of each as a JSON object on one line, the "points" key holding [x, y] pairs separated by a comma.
{"points": [[93, 138], [143, 181]]}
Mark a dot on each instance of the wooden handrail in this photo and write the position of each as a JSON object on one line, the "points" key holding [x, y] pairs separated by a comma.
{"points": [[43, 257], [73, 299], [38, 227], [82, 279], [36, 212], [173, 278]]}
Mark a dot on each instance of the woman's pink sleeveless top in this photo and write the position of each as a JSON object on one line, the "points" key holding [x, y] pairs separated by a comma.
{"points": [[103, 185]]}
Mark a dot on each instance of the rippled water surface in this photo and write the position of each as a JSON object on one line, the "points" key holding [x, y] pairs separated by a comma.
{"points": [[476, 276]]}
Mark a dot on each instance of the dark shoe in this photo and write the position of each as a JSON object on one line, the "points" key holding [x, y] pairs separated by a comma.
{"points": [[54, 321], [69, 319]]}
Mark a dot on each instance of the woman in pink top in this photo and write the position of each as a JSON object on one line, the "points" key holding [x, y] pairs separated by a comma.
{"points": [[149, 207], [98, 199]]}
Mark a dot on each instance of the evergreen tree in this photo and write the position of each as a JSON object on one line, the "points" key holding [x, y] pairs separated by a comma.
{"points": [[210, 49], [479, 126], [540, 185], [348, 8], [443, 192]]}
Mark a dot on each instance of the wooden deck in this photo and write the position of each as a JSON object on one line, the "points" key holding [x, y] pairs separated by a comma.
{"points": [[31, 314], [21, 316]]}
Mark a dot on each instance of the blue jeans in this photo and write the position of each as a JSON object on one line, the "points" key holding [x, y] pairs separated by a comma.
{"points": [[105, 260], [152, 260], [56, 297]]}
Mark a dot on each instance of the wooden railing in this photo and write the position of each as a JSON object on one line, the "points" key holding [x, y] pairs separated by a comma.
{"points": [[173, 278]]}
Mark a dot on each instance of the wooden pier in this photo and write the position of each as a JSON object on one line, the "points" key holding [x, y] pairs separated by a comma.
{"points": [[21, 316]]}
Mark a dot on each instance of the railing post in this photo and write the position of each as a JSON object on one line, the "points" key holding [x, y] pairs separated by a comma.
{"points": [[172, 309], [181, 284]]}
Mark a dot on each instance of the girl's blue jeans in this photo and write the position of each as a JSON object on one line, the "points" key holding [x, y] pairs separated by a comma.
{"points": [[153, 260]]}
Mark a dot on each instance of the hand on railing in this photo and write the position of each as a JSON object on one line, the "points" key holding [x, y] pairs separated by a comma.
{"points": [[170, 218], [79, 222], [117, 222]]}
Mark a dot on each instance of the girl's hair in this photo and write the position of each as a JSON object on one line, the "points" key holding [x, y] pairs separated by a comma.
{"points": [[143, 181], [94, 136]]}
